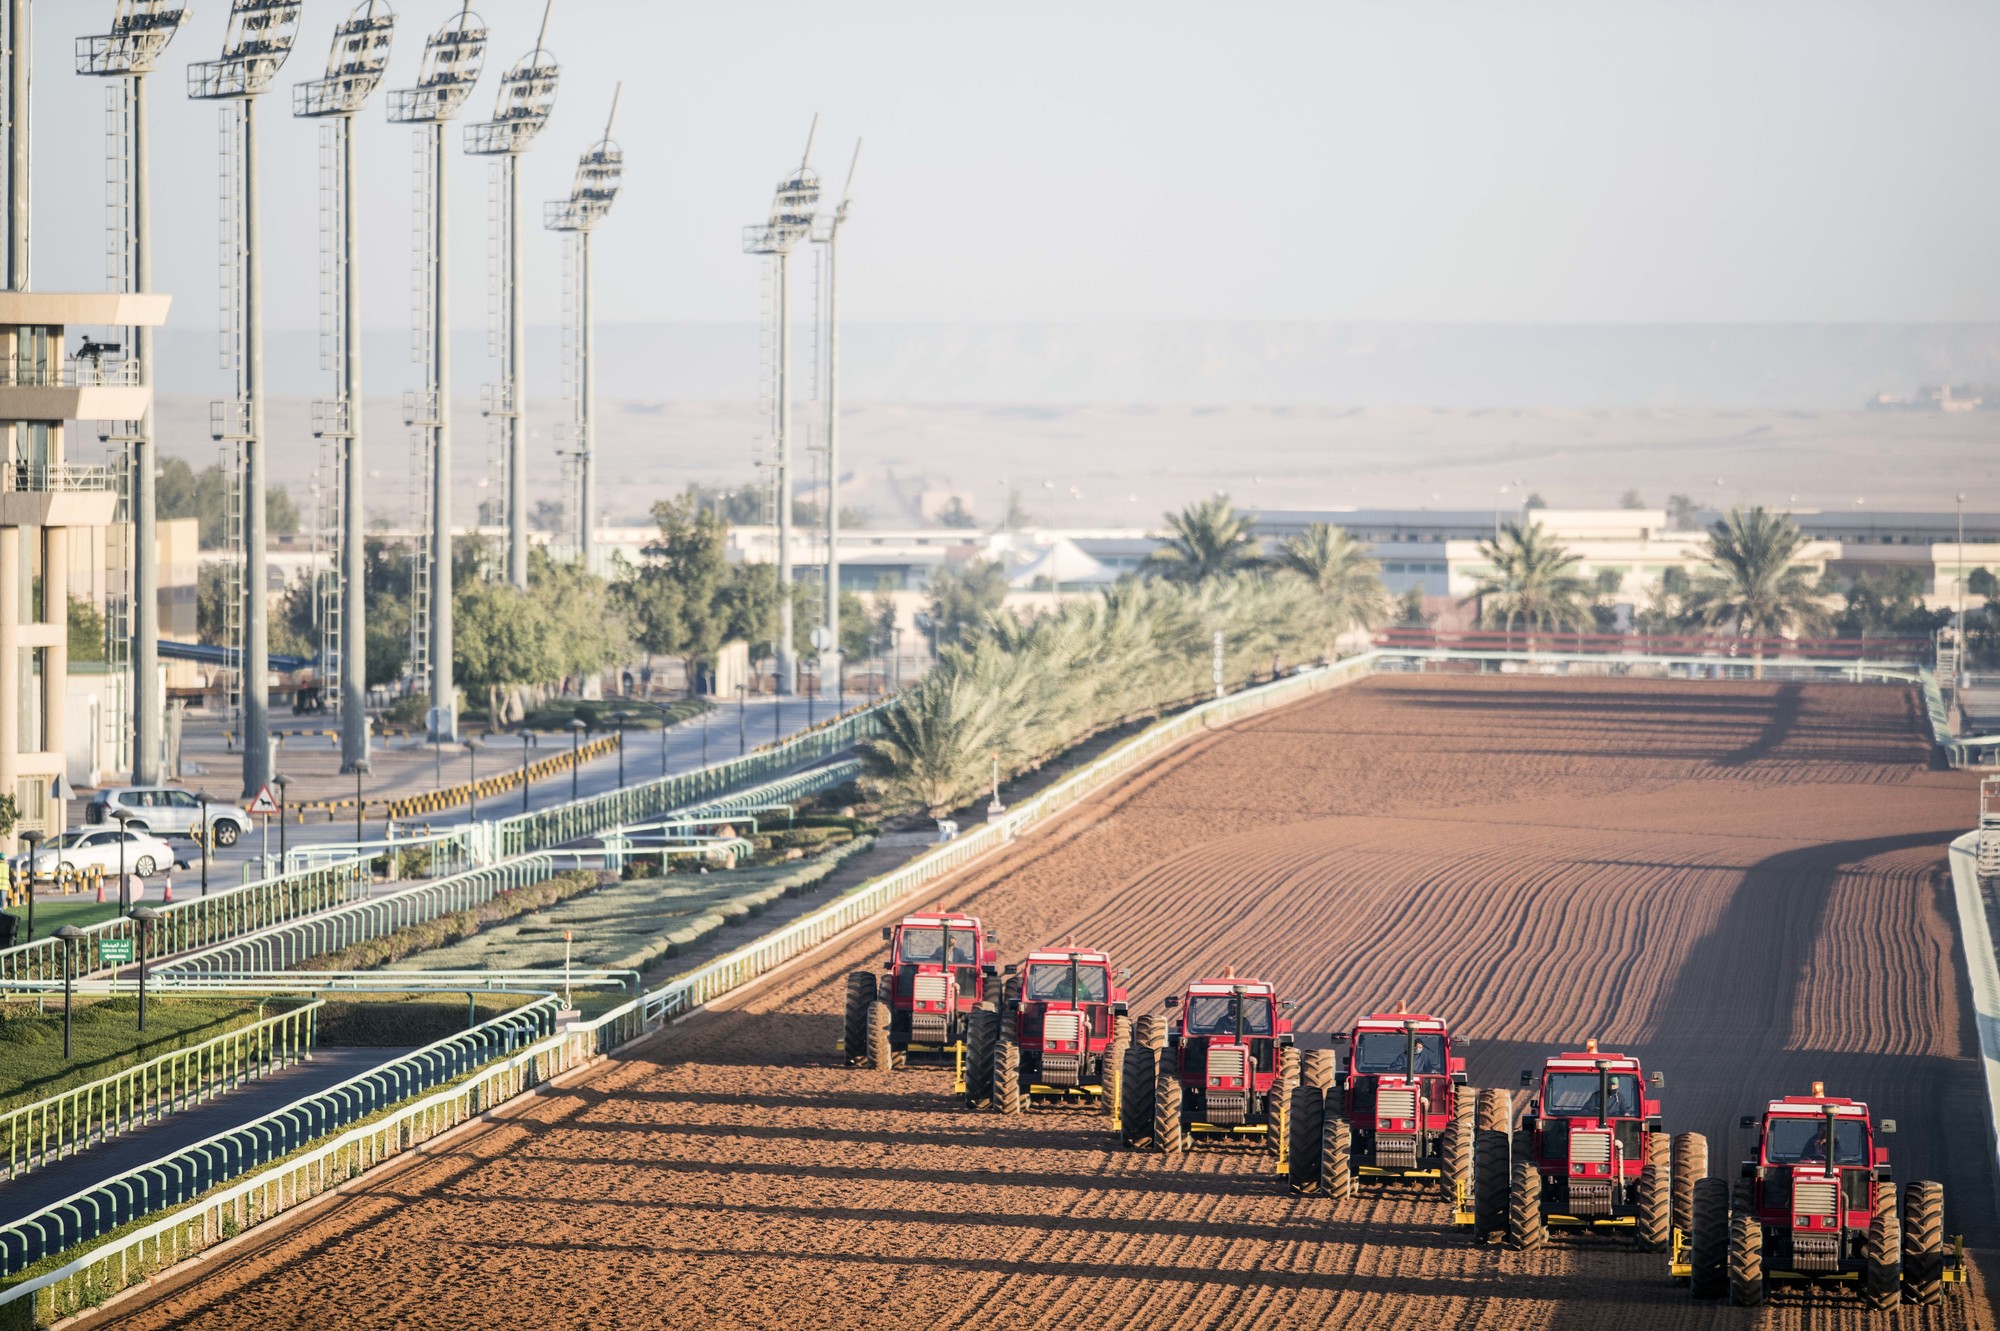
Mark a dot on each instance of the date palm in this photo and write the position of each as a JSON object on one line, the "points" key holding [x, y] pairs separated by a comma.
{"points": [[1342, 572], [1533, 583], [1204, 541], [1755, 586]]}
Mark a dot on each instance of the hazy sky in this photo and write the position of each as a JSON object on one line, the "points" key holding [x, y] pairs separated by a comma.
{"points": [[1405, 160]]}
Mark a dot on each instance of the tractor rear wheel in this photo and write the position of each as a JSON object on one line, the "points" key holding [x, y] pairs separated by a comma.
{"points": [[1496, 1110], [1690, 1165], [1923, 1243], [1457, 1149], [880, 1056], [1746, 1261], [1010, 993], [1135, 1108], [1708, 1250], [1317, 1068], [1525, 1227], [1743, 1196], [1007, 1077], [1491, 1167], [982, 1033], [1288, 1066], [1882, 1271], [1655, 1220], [1336, 1156], [1150, 1031], [1308, 1123], [1167, 1110], [854, 1031]]}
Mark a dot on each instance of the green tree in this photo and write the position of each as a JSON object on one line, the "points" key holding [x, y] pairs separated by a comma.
{"points": [[181, 492], [1410, 613], [86, 631], [1682, 515], [1205, 540], [1755, 586], [500, 641], [1888, 605], [966, 600], [1342, 571], [1532, 584], [673, 600], [957, 515], [10, 814], [1631, 499]]}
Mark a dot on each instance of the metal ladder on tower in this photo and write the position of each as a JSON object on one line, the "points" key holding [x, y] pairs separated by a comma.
{"points": [[120, 551], [229, 420], [330, 423], [420, 412]]}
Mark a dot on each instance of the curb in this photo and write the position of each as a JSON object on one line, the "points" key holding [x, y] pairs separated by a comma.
{"points": [[1982, 971]]}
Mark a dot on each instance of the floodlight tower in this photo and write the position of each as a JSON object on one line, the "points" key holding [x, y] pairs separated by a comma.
{"points": [[527, 95], [827, 232], [791, 222], [140, 31], [353, 70], [258, 39], [599, 173], [452, 59]]}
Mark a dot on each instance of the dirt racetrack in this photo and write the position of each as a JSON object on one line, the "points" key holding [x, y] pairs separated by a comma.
{"points": [[1742, 883]]}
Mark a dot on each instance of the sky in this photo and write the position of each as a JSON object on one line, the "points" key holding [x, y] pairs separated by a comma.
{"points": [[1411, 160]]}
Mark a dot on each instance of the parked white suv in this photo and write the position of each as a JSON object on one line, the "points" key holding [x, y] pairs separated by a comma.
{"points": [[145, 854], [167, 811]]}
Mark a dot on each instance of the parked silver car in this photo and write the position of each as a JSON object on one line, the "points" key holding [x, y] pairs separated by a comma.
{"points": [[166, 811], [141, 853]]}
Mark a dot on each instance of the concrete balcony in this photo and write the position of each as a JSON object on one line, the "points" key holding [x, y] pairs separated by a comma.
{"points": [[86, 388], [40, 495]]}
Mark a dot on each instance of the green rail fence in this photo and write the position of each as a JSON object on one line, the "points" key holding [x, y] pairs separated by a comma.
{"points": [[635, 804], [73, 1120], [285, 945], [199, 921]]}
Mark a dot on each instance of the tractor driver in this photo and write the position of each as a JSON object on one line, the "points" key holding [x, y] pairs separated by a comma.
{"points": [[1215, 1015], [925, 947], [1388, 1052], [1576, 1095], [1051, 984], [1802, 1141]]}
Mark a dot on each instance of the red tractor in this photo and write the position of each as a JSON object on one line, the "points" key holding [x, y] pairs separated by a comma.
{"points": [[940, 968], [1058, 1037], [1213, 1073], [1816, 1204], [1397, 1108], [1591, 1153]]}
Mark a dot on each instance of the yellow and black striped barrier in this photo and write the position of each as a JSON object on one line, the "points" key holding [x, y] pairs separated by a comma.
{"points": [[437, 801], [67, 880]]}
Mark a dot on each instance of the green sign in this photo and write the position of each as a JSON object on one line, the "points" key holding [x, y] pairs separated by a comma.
{"points": [[114, 949]]}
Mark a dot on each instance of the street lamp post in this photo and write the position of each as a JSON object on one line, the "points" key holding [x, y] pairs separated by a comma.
{"points": [[471, 780], [619, 718], [742, 719], [576, 729], [1957, 685], [208, 837], [124, 893], [704, 735], [34, 837], [281, 781], [361, 769], [145, 915], [69, 933], [527, 742]]}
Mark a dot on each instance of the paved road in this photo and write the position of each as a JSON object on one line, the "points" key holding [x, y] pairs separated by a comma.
{"points": [[38, 1189]]}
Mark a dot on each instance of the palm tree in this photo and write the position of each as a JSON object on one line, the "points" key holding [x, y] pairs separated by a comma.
{"points": [[1206, 540], [1341, 570], [1756, 587], [1533, 583]]}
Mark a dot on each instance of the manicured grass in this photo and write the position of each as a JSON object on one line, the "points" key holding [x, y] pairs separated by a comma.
{"points": [[78, 908], [105, 1038]]}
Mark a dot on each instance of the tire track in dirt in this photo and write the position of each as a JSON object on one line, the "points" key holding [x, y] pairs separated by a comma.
{"points": [[1735, 879]]}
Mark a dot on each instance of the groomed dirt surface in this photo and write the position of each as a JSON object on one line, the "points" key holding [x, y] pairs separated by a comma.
{"points": [[1742, 883]]}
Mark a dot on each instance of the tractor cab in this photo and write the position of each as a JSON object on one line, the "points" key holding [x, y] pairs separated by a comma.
{"points": [[939, 966], [1814, 1177], [1398, 1085], [1223, 1042], [1588, 1128]]}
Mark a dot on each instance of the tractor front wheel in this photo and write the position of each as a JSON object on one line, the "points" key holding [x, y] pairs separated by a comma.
{"points": [[1882, 1272], [1457, 1149], [1525, 1228], [1007, 1076], [880, 1056], [1136, 1083], [1167, 1133], [1111, 1072], [1655, 1220], [1923, 1243], [1496, 1110], [1308, 1123], [1336, 1158], [1317, 1068], [1746, 1261], [1491, 1166], [1690, 1166], [854, 1029], [1150, 1031], [982, 1032], [1708, 1252]]}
